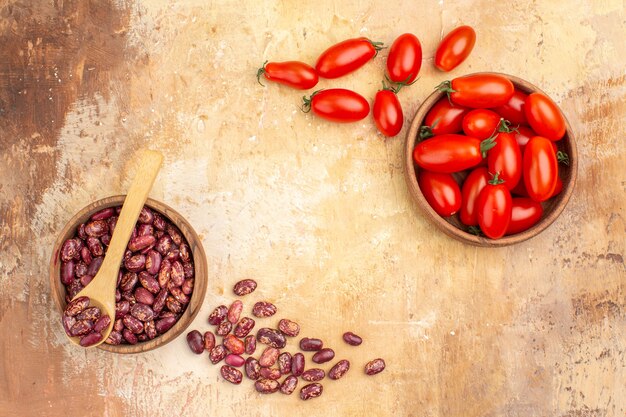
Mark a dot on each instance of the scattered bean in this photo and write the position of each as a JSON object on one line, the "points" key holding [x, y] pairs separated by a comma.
{"points": [[217, 354], [271, 337], [218, 315], [375, 366], [266, 386], [270, 373], [297, 364], [235, 311], [311, 391], [195, 342], [313, 374], [264, 309], [250, 344], [289, 385], [310, 344], [269, 357], [352, 339], [243, 327], [284, 363], [234, 345], [252, 368], [323, 355], [244, 287], [339, 369], [232, 375], [234, 360], [290, 328], [209, 341]]}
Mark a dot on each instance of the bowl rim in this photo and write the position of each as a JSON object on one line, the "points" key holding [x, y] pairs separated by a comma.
{"points": [[453, 231], [199, 261]]}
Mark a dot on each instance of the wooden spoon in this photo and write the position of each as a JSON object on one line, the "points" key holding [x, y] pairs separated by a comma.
{"points": [[101, 290]]}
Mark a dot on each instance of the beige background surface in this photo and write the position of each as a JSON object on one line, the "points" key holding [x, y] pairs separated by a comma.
{"points": [[317, 213]]}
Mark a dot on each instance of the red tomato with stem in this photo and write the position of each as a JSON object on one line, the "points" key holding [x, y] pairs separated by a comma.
{"points": [[441, 192], [473, 185], [454, 48], [540, 168], [451, 153], [405, 59], [294, 74], [494, 208], [479, 91], [525, 213], [337, 105], [481, 123], [345, 57], [544, 116], [522, 135], [505, 157], [387, 112], [513, 110], [444, 117]]}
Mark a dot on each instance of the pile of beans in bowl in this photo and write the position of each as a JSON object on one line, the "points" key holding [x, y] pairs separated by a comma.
{"points": [[155, 281]]}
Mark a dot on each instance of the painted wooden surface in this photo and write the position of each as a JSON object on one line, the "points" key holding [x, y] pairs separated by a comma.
{"points": [[317, 213]]}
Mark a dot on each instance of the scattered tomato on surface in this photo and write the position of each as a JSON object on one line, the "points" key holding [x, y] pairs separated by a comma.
{"points": [[405, 59], [387, 111], [346, 57], [337, 105], [454, 48], [294, 74]]}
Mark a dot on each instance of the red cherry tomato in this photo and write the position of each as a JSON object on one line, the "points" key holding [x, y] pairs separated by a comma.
{"points": [[540, 168], [520, 188], [481, 123], [544, 116], [522, 136], [405, 59], [473, 185], [506, 159], [345, 57], [479, 91], [513, 110], [455, 48], [294, 74], [441, 192], [525, 213], [444, 117], [558, 188], [387, 113], [494, 209], [450, 153], [337, 105]]}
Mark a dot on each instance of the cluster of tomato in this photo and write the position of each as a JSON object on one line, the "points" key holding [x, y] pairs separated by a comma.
{"points": [[403, 65], [470, 132]]}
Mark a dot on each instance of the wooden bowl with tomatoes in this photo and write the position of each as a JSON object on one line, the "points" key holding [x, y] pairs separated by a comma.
{"points": [[502, 166]]}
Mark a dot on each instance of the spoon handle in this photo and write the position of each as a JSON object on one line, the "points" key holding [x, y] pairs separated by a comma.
{"points": [[147, 171]]}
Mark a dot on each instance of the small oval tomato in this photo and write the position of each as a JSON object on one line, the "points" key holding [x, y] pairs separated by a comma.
{"points": [[494, 209], [481, 123], [473, 185], [405, 59], [544, 116], [525, 213], [506, 159], [520, 188], [337, 105], [294, 74], [444, 117], [454, 48], [522, 135], [540, 168], [479, 91], [441, 192], [387, 113], [345, 57], [558, 187], [513, 110], [450, 153]]}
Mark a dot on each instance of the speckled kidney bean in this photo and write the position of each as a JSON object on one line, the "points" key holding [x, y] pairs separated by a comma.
{"points": [[177, 275], [165, 324], [250, 344], [234, 360], [234, 312], [264, 309], [209, 341], [81, 327], [234, 345], [133, 324], [270, 373], [188, 270], [223, 328], [232, 375], [323, 355], [187, 287], [85, 255], [153, 262], [73, 289], [266, 386], [94, 266], [159, 301], [284, 363], [217, 354], [69, 250], [67, 272], [141, 242], [149, 282], [218, 315], [173, 305], [195, 342], [243, 327], [142, 312], [135, 263], [96, 228], [129, 336], [95, 246], [68, 322], [289, 385], [244, 287], [339, 369], [150, 329], [174, 234], [103, 214], [144, 296], [163, 245], [310, 344], [290, 328], [184, 252], [80, 269], [129, 280], [106, 239], [85, 280], [129, 296], [313, 374], [311, 391], [271, 337], [164, 273], [269, 357], [90, 339], [146, 216], [90, 313], [173, 255], [112, 223], [115, 338], [179, 295], [76, 306], [80, 232], [297, 364], [146, 230], [118, 325], [374, 366], [352, 339], [102, 323], [252, 368], [121, 309]]}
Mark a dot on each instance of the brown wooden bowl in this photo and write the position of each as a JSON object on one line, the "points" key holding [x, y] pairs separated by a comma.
{"points": [[199, 260], [452, 226]]}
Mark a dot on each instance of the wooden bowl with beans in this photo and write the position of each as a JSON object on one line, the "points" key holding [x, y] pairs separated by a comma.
{"points": [[452, 225], [166, 271]]}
